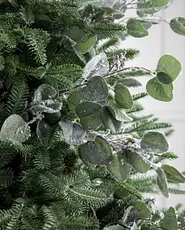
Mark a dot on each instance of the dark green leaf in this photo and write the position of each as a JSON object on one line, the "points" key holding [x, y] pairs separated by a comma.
{"points": [[84, 45], [137, 160], [97, 152], [73, 133], [74, 99], [44, 92], [109, 121], [15, 128], [123, 96], [168, 69], [89, 114], [162, 182], [43, 132], [119, 169], [159, 91], [172, 174], [154, 142], [142, 209], [169, 222], [96, 90], [136, 28], [178, 25], [75, 33]]}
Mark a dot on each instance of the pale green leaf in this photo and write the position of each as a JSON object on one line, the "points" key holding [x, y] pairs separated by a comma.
{"points": [[136, 29], [172, 174], [162, 182], [178, 25], [97, 152], [159, 91], [168, 69], [154, 142], [123, 96]]}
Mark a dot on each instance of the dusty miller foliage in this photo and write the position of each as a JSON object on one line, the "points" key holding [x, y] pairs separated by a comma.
{"points": [[75, 153]]}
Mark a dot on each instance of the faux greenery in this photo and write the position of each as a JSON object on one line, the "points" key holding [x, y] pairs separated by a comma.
{"points": [[74, 152]]}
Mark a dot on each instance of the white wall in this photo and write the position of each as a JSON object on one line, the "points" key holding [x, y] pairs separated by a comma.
{"points": [[160, 41]]}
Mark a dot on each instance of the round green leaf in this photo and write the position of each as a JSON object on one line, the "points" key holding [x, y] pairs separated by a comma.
{"points": [[159, 91], [84, 45], [154, 142], [172, 174], [89, 114], [74, 99], [142, 209], [96, 89], [97, 152], [75, 33], [15, 128], [178, 25], [109, 121], [162, 182], [123, 96], [137, 160], [73, 133], [168, 69], [119, 169], [169, 222], [136, 28]]}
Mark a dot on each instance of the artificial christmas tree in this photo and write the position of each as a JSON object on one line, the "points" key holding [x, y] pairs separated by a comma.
{"points": [[73, 152]]}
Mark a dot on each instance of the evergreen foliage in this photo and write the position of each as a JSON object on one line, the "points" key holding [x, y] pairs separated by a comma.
{"points": [[74, 154]]}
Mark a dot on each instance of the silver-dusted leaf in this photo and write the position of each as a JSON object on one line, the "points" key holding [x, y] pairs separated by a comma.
{"points": [[97, 66], [73, 133], [15, 128]]}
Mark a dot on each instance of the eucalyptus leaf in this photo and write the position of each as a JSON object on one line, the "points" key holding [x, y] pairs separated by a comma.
{"points": [[109, 121], [172, 174], [43, 132], [73, 133], [178, 25], [154, 142], [168, 69], [84, 45], [97, 66], [15, 128], [97, 152], [162, 182], [142, 209], [151, 6], [96, 90], [169, 222], [118, 112], [137, 160], [74, 99], [119, 169], [123, 96], [44, 92], [75, 33], [130, 82], [47, 106], [89, 114], [159, 91], [136, 29]]}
